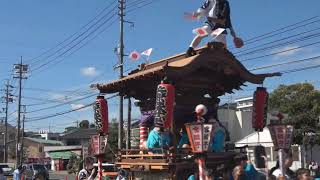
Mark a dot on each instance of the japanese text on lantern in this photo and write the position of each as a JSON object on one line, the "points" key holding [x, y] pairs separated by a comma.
{"points": [[196, 131], [160, 110]]}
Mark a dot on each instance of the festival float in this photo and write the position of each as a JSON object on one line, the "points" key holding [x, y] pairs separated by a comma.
{"points": [[169, 90]]}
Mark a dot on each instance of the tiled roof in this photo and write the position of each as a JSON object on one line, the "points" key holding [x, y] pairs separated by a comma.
{"points": [[62, 155], [43, 141], [80, 134]]}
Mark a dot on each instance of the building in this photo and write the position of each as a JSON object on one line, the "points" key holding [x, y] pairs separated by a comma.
{"points": [[60, 155], [244, 104], [78, 136], [11, 131], [47, 135], [35, 147], [238, 121]]}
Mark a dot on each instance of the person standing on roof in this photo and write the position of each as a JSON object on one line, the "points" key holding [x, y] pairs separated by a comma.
{"points": [[217, 13]]}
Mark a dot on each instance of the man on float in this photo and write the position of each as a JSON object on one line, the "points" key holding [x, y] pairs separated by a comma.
{"points": [[217, 13], [218, 135], [159, 139]]}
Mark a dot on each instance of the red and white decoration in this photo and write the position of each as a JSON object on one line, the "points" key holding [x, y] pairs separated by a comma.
{"points": [[165, 99], [143, 136], [217, 32], [260, 107], [202, 32], [201, 110], [147, 52], [200, 136], [134, 55], [202, 168], [97, 145], [281, 135], [101, 115]]}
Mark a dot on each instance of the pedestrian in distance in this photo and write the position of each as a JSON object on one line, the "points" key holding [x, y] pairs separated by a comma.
{"points": [[88, 172], [303, 174], [18, 173], [2, 177]]}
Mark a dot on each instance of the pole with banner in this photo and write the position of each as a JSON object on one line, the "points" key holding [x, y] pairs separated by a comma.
{"points": [[200, 137], [282, 135], [102, 125]]}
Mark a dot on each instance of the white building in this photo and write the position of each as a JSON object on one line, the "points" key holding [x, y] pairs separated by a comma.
{"points": [[244, 104], [238, 120]]}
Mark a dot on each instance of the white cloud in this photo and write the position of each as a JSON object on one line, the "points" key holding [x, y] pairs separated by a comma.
{"points": [[89, 71], [58, 97], [288, 50], [77, 106]]}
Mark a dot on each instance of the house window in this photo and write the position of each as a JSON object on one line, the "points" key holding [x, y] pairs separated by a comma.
{"points": [[40, 149]]}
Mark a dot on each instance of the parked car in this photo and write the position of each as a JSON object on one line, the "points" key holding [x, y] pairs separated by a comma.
{"points": [[36, 172], [7, 171]]}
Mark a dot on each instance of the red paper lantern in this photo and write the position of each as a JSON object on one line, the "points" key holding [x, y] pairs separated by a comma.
{"points": [[260, 107], [165, 99], [101, 115]]}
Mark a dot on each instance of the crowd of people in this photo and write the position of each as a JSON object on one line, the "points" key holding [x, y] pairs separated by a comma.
{"points": [[245, 170]]}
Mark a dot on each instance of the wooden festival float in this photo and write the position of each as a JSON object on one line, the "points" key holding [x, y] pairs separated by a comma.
{"points": [[199, 79]]}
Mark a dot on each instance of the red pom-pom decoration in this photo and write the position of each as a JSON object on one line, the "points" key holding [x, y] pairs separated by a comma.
{"points": [[238, 42]]}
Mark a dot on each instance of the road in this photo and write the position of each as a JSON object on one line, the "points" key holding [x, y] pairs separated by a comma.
{"points": [[61, 176]]}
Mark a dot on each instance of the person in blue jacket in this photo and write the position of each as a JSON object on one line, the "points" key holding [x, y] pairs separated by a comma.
{"points": [[184, 140], [158, 139], [218, 135]]}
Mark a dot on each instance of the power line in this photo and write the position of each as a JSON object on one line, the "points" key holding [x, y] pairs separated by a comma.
{"points": [[51, 90], [287, 63], [300, 69], [62, 104], [71, 36], [280, 52], [276, 41], [76, 44], [283, 30], [280, 43], [138, 7], [62, 113]]}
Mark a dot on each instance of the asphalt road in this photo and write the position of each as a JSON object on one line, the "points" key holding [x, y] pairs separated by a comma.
{"points": [[59, 176]]}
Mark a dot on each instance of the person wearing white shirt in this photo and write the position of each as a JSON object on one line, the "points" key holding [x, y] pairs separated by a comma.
{"points": [[288, 174]]}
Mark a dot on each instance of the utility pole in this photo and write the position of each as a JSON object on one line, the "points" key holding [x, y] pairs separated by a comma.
{"points": [[20, 69], [121, 56], [8, 98], [22, 137], [128, 138]]}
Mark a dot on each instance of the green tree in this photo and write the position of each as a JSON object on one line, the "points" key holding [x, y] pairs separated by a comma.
{"points": [[84, 124], [113, 134], [302, 103]]}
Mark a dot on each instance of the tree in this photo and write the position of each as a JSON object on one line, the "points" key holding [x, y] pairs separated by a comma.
{"points": [[84, 124], [73, 164], [113, 134], [302, 103]]}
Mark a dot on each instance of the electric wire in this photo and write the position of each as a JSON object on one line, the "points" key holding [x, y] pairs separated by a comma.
{"points": [[62, 104], [280, 52], [74, 34], [63, 112]]}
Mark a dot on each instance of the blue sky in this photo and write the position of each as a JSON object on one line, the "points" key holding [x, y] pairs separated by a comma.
{"points": [[29, 28]]}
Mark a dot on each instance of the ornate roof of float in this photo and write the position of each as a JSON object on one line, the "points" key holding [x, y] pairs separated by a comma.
{"points": [[214, 70]]}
